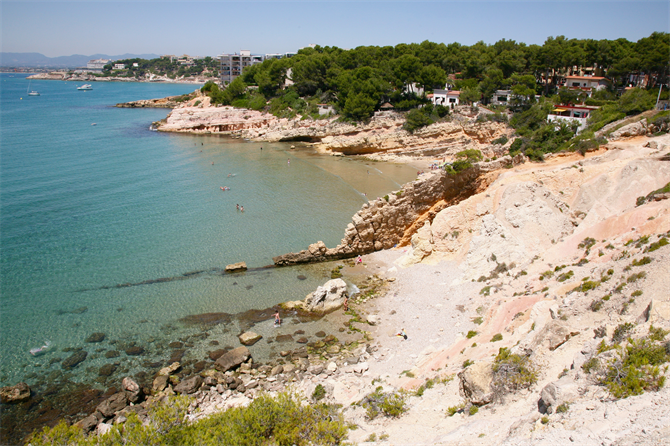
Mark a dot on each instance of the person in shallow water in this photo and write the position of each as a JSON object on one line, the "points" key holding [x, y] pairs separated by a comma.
{"points": [[277, 319]]}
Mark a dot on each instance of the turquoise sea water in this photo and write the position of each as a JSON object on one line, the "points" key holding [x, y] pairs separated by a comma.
{"points": [[87, 207]]}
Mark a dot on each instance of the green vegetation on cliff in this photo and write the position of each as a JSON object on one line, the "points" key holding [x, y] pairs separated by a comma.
{"points": [[283, 420]]}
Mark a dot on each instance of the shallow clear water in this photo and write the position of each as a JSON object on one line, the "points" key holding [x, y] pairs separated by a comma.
{"points": [[87, 207]]}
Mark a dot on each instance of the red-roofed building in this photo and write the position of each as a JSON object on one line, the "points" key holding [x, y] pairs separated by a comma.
{"points": [[445, 97]]}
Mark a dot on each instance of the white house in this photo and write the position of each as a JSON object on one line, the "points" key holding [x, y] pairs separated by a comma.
{"points": [[572, 113], [586, 83], [119, 66], [445, 97]]}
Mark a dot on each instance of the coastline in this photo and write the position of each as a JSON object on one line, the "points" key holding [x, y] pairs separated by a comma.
{"points": [[436, 301], [64, 76]]}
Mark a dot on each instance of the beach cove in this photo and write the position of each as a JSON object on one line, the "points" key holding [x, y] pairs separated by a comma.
{"points": [[109, 228]]}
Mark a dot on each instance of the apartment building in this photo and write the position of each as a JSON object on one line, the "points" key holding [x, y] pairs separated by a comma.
{"points": [[233, 64]]}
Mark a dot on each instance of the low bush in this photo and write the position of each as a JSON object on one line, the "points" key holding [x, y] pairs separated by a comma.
{"points": [[282, 420], [389, 404], [471, 334], [565, 276], [497, 337], [622, 331], [511, 372], [656, 245]]}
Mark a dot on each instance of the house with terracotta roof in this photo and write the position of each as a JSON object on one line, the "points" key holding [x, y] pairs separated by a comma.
{"points": [[587, 84], [445, 97]]}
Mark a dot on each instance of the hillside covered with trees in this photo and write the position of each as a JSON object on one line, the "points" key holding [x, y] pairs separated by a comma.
{"points": [[360, 81]]}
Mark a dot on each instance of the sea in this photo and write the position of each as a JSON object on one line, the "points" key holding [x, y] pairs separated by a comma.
{"points": [[109, 227]]}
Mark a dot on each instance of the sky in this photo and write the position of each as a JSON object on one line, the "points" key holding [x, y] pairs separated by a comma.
{"points": [[210, 28]]}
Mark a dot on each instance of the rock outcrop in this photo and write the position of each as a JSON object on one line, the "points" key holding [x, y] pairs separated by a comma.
{"points": [[395, 218]]}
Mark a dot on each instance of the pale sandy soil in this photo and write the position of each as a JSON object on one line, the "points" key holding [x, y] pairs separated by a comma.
{"points": [[435, 304]]}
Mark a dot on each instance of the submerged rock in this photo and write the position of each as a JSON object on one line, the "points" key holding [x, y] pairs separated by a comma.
{"points": [[249, 338], [74, 360], [96, 337]]}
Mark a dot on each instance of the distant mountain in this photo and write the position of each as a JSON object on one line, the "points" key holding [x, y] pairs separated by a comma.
{"points": [[37, 60]]}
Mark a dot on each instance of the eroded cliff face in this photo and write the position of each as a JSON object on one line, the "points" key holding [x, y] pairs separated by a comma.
{"points": [[393, 219], [382, 134]]}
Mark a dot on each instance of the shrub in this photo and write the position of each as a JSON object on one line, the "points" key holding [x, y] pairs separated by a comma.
{"points": [[565, 276], [485, 291], [587, 243], [544, 419], [467, 363], [562, 408], [637, 371], [501, 141], [478, 320], [416, 119], [586, 286], [497, 337], [656, 245], [635, 277], [319, 393], [622, 331], [511, 372], [591, 365], [473, 410], [452, 410], [471, 334], [390, 404]]}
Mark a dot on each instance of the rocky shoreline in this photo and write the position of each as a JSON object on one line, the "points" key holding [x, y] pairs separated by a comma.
{"points": [[547, 260]]}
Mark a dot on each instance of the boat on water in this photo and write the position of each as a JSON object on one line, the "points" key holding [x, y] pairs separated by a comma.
{"points": [[85, 87], [32, 92]]}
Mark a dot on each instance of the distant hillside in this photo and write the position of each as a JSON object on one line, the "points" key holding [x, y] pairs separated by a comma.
{"points": [[37, 60]]}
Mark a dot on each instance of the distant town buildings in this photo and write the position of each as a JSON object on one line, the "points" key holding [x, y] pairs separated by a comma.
{"points": [[93, 66]]}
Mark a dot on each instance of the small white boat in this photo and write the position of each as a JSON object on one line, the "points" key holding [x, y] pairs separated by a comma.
{"points": [[33, 92], [85, 87]]}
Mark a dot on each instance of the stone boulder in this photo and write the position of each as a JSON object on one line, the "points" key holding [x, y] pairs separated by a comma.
{"points": [[232, 359], [236, 267], [96, 337], [73, 360], [15, 394], [169, 370], [112, 405], [249, 338], [132, 390], [565, 390], [628, 131], [328, 297], [160, 383], [475, 383], [87, 424], [189, 385]]}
